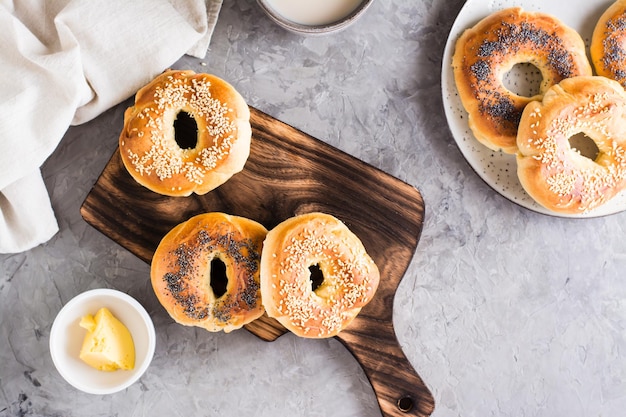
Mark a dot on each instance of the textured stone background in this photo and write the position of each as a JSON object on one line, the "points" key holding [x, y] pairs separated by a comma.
{"points": [[503, 312]]}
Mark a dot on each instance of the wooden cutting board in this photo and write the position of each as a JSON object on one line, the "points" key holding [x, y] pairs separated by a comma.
{"points": [[290, 173]]}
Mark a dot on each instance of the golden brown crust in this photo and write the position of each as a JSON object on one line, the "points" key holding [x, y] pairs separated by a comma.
{"points": [[607, 50], [148, 145], [350, 275], [487, 51], [181, 271], [553, 173]]}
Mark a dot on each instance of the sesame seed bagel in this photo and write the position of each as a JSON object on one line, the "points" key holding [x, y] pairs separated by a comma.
{"points": [[292, 252], [486, 52], [607, 49], [217, 150], [205, 272], [554, 173]]}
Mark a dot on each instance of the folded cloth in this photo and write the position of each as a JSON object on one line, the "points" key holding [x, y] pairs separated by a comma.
{"points": [[63, 62], [27, 219]]}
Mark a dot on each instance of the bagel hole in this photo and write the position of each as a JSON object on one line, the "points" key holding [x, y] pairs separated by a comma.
{"points": [[218, 278], [584, 145], [185, 130], [524, 79], [316, 277]]}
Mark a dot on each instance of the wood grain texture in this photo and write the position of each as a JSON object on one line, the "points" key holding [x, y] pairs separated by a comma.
{"points": [[290, 173]]}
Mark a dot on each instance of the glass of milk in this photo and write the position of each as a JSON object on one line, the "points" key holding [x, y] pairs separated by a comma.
{"points": [[314, 16]]}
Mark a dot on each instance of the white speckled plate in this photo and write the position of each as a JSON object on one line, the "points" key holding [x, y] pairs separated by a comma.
{"points": [[497, 169]]}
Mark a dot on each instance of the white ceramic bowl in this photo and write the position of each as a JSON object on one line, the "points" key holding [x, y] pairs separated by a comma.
{"points": [[321, 29], [66, 339]]}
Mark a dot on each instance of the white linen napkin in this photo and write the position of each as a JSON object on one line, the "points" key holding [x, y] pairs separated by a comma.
{"points": [[64, 62]]}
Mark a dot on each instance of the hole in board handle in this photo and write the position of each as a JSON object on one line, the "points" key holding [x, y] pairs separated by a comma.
{"points": [[405, 404]]}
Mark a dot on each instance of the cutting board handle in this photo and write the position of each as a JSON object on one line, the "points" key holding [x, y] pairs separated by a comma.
{"points": [[399, 389]]}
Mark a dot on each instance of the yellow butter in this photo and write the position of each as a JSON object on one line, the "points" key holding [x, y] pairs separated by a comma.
{"points": [[108, 345]]}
